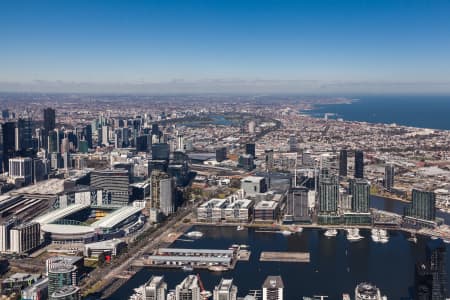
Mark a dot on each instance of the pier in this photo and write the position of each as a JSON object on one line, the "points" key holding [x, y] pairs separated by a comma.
{"points": [[285, 256]]}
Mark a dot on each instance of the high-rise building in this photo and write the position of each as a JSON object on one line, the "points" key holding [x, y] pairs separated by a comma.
{"points": [[297, 205], [88, 134], [343, 163], [155, 288], [225, 290], [423, 205], [389, 173], [67, 292], [162, 193], [328, 194], [5, 114], [9, 143], [250, 149], [188, 289], [160, 151], [49, 125], [246, 162], [21, 169], [5, 234], [116, 184], [105, 135], [360, 196], [1, 148], [24, 134], [292, 142], [367, 291], [268, 153], [25, 237], [273, 288], [359, 164], [221, 154], [60, 275]]}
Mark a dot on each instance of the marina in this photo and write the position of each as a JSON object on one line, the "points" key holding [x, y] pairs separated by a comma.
{"points": [[285, 256]]}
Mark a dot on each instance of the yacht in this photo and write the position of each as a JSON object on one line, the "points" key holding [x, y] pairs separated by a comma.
{"points": [[286, 232], [379, 236], [187, 268], [299, 229], [239, 228], [194, 234], [412, 238], [353, 235], [330, 233]]}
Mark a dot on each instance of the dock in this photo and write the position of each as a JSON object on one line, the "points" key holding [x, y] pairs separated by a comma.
{"points": [[285, 256]]}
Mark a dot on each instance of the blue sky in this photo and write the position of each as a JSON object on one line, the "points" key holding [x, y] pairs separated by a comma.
{"points": [[309, 45]]}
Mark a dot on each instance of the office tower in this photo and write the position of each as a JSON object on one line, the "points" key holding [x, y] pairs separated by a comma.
{"points": [[162, 193], [60, 275], [5, 114], [307, 160], [250, 149], [251, 127], [359, 164], [423, 205], [360, 196], [53, 141], [65, 145], [367, 291], [9, 143], [21, 169], [25, 237], [273, 288], [188, 289], [292, 142], [160, 151], [253, 185], [343, 163], [155, 288], [438, 270], [180, 142], [389, 173], [143, 143], [268, 153], [328, 194], [115, 183], [67, 292], [88, 135], [49, 125], [105, 135], [83, 146], [221, 154], [225, 290], [1, 148], [246, 162], [297, 205], [5, 234], [24, 134]]}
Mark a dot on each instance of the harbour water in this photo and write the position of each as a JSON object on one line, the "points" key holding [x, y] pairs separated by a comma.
{"points": [[336, 265], [417, 111]]}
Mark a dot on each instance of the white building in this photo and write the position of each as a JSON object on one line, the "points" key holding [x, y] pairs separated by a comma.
{"points": [[212, 210], [155, 288], [225, 290], [273, 288], [20, 168], [25, 237], [253, 185], [239, 210], [188, 289], [5, 234]]}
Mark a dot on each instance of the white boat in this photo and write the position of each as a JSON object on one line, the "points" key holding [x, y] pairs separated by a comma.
{"points": [[353, 235], [379, 236], [299, 230], [433, 237], [330, 233], [412, 238], [239, 228], [194, 234], [187, 268], [286, 232], [243, 246]]}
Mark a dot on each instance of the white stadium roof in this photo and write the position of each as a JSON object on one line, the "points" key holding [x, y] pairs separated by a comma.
{"points": [[116, 217], [67, 229], [59, 213]]}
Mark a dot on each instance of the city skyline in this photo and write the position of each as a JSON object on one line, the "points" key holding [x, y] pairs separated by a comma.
{"points": [[226, 46]]}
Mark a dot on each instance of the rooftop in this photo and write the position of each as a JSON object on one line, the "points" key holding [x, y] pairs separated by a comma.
{"points": [[60, 213], [117, 216], [273, 282]]}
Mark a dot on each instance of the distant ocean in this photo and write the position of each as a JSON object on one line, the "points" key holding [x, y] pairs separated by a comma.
{"points": [[417, 111]]}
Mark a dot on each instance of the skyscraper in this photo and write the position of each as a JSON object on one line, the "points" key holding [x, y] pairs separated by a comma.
{"points": [[389, 173], [297, 205], [225, 290], [343, 163], [115, 183], [273, 288], [49, 125], [423, 205], [328, 194], [359, 164], [360, 196], [9, 143], [24, 134], [160, 151], [155, 288], [250, 149], [221, 154], [188, 289]]}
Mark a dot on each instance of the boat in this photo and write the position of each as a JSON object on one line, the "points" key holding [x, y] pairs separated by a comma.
{"points": [[239, 228], [446, 241], [433, 237], [187, 268], [217, 268], [412, 238], [299, 230], [243, 246], [353, 235], [194, 234], [379, 236], [286, 232], [330, 233]]}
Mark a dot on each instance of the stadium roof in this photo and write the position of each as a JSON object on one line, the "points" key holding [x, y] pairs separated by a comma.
{"points": [[114, 218], [59, 213], [67, 229]]}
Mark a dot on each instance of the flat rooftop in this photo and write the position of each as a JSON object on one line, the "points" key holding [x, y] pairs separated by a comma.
{"points": [[117, 216], [60, 213], [199, 251]]}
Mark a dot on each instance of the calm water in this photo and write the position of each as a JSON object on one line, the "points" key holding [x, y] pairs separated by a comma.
{"points": [[416, 111], [336, 265]]}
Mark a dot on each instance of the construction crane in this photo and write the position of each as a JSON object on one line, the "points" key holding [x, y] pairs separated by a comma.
{"points": [[203, 293]]}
